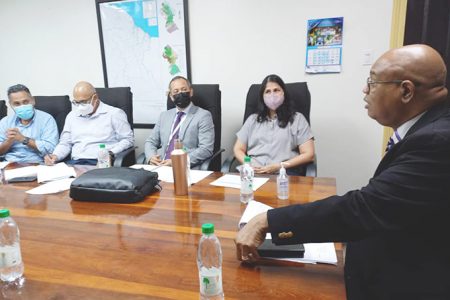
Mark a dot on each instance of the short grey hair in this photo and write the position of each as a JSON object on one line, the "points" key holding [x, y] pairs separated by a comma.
{"points": [[180, 77], [17, 88]]}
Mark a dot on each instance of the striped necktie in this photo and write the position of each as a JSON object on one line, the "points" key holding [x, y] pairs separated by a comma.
{"points": [[394, 139], [174, 135]]}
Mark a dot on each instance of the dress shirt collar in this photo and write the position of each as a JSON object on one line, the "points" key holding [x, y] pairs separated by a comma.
{"points": [[403, 129], [186, 110]]}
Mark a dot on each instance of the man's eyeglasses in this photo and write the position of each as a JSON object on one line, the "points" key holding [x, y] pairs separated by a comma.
{"points": [[81, 102], [371, 81]]}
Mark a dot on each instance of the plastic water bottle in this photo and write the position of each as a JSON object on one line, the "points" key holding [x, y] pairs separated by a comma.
{"points": [[209, 262], [103, 158], [247, 175], [283, 184], [11, 265]]}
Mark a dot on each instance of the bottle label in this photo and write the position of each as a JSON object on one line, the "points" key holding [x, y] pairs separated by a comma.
{"points": [[10, 256], [210, 281]]}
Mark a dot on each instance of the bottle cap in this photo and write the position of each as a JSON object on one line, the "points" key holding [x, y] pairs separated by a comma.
{"points": [[102, 146], [208, 228], [282, 169], [247, 159], [4, 213], [178, 144]]}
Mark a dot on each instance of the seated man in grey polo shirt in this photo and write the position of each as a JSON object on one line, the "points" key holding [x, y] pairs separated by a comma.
{"points": [[88, 125]]}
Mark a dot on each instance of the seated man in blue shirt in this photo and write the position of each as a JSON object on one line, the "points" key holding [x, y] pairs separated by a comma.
{"points": [[29, 134], [88, 125]]}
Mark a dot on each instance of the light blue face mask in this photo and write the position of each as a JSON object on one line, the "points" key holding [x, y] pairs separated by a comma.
{"points": [[25, 112]]}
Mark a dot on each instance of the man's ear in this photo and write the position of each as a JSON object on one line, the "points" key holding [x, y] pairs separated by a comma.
{"points": [[192, 92], [408, 90]]}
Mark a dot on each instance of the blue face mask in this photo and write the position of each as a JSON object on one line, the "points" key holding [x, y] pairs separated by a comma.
{"points": [[25, 112]]}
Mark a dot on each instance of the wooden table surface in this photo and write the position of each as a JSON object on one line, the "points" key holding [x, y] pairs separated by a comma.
{"points": [[147, 250]]}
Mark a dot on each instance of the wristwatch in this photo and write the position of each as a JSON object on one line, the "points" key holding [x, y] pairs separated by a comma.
{"points": [[26, 140]]}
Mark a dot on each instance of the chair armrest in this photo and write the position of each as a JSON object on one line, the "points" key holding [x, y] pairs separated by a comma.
{"points": [[227, 164], [141, 159], [311, 168], [205, 164], [125, 158]]}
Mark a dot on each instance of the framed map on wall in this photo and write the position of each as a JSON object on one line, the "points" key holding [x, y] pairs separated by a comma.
{"points": [[144, 44]]}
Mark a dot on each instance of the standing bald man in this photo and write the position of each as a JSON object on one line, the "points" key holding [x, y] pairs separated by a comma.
{"points": [[88, 125], [398, 225]]}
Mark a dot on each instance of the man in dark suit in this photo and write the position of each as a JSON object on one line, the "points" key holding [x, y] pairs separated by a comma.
{"points": [[398, 226]]}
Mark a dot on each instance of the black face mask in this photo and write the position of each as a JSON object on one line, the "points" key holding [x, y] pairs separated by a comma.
{"points": [[182, 100]]}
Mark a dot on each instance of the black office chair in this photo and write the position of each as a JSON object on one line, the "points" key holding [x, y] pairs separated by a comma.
{"points": [[57, 106], [208, 97], [301, 102], [120, 97], [3, 109]]}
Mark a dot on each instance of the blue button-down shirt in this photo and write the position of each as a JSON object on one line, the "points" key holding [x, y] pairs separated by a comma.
{"points": [[42, 129]]}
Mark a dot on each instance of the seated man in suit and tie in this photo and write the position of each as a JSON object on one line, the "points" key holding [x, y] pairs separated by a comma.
{"points": [[398, 225], [192, 125], [29, 134], [88, 125]]}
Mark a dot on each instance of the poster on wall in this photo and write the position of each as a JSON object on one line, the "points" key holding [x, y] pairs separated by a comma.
{"points": [[324, 45], [144, 45]]}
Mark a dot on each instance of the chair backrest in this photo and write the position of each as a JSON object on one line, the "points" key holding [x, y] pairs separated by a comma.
{"points": [[298, 92], [120, 97], [208, 96], [3, 109], [57, 106]]}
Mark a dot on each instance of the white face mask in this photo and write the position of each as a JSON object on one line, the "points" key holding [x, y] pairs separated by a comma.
{"points": [[85, 109]]}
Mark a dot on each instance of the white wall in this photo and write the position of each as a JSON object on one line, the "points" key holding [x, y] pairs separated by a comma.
{"points": [[49, 45]]}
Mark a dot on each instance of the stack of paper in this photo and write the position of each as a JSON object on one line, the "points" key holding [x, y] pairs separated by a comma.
{"points": [[56, 172], [30, 171], [234, 181], [165, 173], [314, 252]]}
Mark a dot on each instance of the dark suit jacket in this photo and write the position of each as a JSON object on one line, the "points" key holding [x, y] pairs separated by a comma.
{"points": [[398, 226]]}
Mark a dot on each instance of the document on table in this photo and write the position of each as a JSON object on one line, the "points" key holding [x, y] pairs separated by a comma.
{"points": [[314, 252], [52, 187], [30, 171], [165, 173], [56, 172], [234, 181]]}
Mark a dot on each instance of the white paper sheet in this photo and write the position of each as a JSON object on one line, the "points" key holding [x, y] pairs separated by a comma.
{"points": [[165, 173], [314, 252], [3, 164], [56, 172], [52, 187], [21, 172], [234, 181]]}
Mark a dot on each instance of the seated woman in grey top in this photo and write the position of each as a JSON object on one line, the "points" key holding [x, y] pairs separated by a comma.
{"points": [[276, 133]]}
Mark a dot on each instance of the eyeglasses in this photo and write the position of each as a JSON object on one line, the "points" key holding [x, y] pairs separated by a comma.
{"points": [[370, 81], [82, 102]]}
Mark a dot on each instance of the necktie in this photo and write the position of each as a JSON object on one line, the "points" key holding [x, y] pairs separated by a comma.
{"points": [[394, 139], [174, 134]]}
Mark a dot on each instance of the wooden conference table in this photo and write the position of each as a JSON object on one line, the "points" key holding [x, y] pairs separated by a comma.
{"points": [[147, 250]]}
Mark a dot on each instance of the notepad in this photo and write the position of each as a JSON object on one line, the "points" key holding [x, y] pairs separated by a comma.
{"points": [[314, 252], [56, 172]]}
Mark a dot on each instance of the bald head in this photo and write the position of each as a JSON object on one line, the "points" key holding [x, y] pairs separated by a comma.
{"points": [[420, 64], [83, 90], [404, 83]]}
